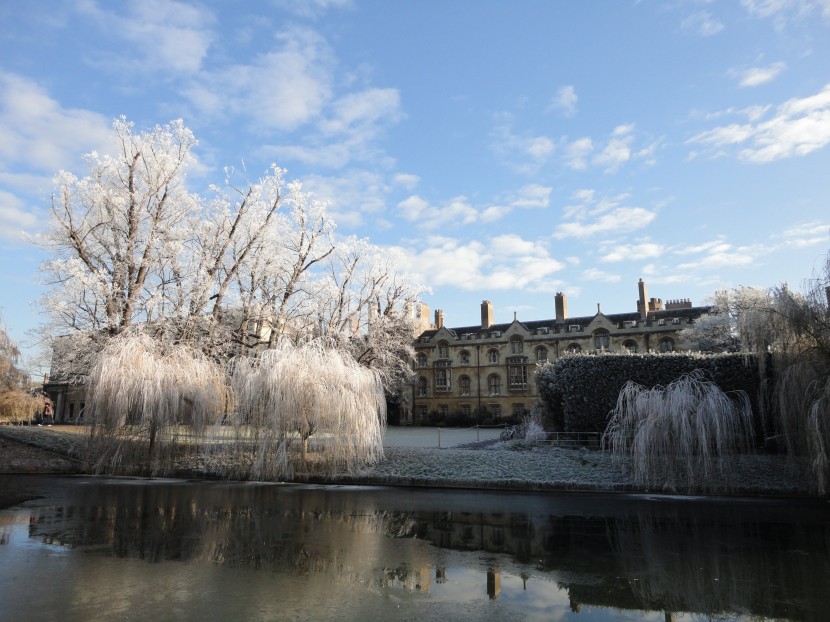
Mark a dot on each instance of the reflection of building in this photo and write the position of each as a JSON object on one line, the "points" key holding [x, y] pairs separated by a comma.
{"points": [[488, 369]]}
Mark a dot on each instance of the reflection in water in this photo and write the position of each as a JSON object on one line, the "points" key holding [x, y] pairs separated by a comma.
{"points": [[321, 552]]}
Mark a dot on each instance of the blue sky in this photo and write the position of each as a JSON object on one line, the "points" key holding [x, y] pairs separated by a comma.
{"points": [[510, 149]]}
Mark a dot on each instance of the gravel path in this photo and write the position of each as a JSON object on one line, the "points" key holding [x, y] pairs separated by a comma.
{"points": [[510, 465]]}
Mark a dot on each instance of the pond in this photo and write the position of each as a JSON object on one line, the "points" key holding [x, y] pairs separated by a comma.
{"points": [[83, 548]]}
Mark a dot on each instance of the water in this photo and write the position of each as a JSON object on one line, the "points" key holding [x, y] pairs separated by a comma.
{"points": [[83, 548]]}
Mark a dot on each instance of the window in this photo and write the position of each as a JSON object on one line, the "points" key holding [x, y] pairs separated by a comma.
{"points": [[493, 357], [495, 410], [443, 409], [666, 345], [443, 350], [517, 375], [422, 359], [574, 347], [464, 385], [518, 410], [442, 379], [516, 345], [464, 357], [422, 411], [422, 387], [601, 339], [494, 384], [541, 354], [631, 346], [466, 411]]}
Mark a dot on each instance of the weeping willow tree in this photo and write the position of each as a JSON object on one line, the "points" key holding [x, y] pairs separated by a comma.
{"points": [[681, 436], [292, 395], [803, 385], [150, 404]]}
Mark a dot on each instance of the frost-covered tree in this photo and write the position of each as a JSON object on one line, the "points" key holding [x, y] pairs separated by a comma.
{"points": [[741, 319], [365, 307], [146, 272], [143, 395], [291, 393], [113, 231]]}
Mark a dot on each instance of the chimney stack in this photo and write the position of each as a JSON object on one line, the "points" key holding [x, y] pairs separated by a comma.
{"points": [[561, 304], [642, 303], [486, 314], [439, 318]]}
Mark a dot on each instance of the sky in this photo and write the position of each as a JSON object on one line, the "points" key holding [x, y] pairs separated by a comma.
{"points": [[508, 150]]}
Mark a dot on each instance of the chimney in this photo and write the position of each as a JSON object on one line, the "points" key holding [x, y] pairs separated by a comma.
{"points": [[486, 314], [561, 304], [642, 303], [439, 318]]}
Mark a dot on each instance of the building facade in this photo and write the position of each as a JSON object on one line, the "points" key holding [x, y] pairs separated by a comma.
{"points": [[487, 371]]}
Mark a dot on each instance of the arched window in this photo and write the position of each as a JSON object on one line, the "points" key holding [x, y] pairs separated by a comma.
{"points": [[601, 339], [422, 387], [574, 348], [494, 384], [422, 359], [464, 385], [541, 354], [630, 345], [517, 346], [443, 350], [666, 344], [464, 357], [493, 357]]}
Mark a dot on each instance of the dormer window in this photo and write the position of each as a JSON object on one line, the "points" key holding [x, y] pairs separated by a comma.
{"points": [[516, 345], [443, 350]]}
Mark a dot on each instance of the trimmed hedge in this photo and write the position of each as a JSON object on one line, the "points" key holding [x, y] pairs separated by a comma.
{"points": [[579, 391]]}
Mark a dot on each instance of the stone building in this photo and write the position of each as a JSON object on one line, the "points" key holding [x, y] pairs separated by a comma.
{"points": [[487, 371]]}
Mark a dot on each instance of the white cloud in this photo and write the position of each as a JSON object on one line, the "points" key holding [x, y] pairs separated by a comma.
{"points": [[703, 23], [783, 8], [406, 180], [627, 252], [36, 132], [577, 152], [714, 246], [351, 196], [167, 35], [797, 127], [282, 89], [761, 75], [593, 274], [363, 112], [806, 234], [498, 263], [525, 153], [533, 196], [618, 150], [456, 211], [311, 9], [14, 217], [619, 220], [565, 100]]}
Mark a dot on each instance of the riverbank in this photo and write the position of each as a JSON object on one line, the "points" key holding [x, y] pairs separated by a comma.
{"points": [[508, 465]]}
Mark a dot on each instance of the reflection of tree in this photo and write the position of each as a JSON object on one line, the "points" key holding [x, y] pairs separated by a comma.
{"points": [[712, 567]]}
